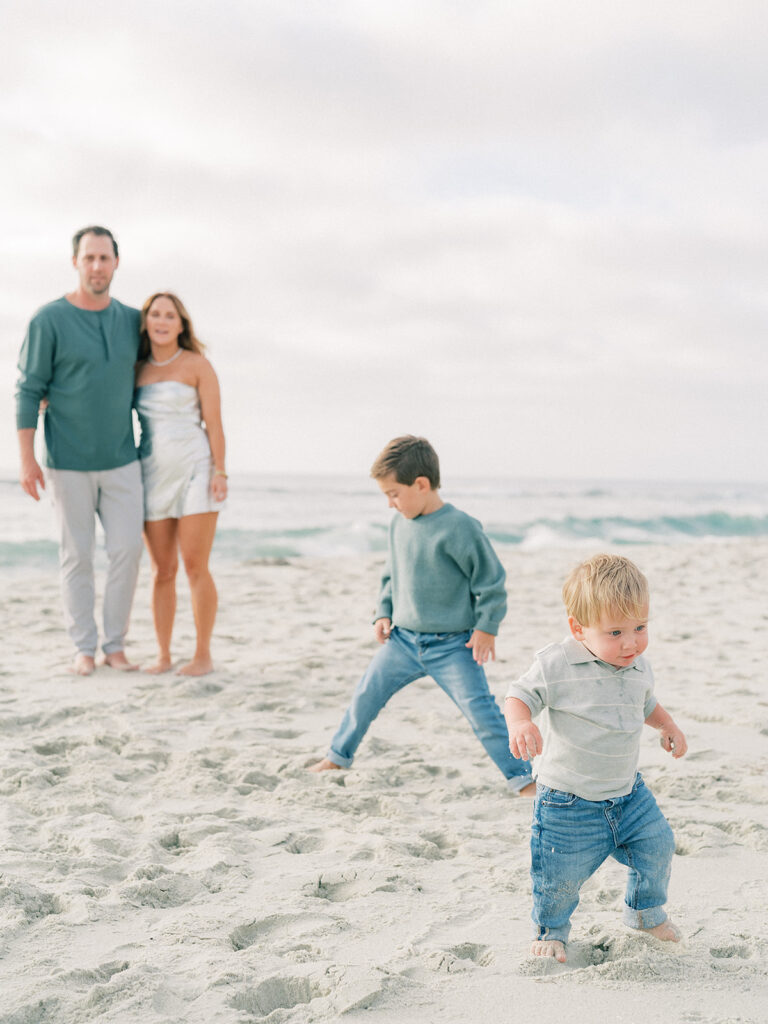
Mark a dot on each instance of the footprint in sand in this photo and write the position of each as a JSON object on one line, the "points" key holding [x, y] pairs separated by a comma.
{"points": [[154, 886], [268, 928], [460, 958], [278, 993], [22, 902], [338, 887]]}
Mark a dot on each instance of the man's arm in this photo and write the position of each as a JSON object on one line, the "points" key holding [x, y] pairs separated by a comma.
{"points": [[35, 372], [30, 475]]}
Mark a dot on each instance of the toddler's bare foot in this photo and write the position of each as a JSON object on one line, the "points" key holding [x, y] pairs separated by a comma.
{"points": [[162, 664], [529, 790], [666, 931], [118, 660], [84, 665], [549, 947], [196, 667], [324, 766]]}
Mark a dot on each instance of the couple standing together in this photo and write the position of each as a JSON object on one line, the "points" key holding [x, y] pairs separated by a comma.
{"points": [[88, 359]]}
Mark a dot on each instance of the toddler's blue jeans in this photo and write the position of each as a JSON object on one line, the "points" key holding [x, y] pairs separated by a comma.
{"points": [[570, 839], [408, 656]]}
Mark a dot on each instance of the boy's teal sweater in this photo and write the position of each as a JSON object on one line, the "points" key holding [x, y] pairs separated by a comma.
{"points": [[82, 361], [442, 575]]}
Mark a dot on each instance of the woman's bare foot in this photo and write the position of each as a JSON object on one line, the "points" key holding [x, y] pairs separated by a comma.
{"points": [[84, 665], [196, 667], [529, 790], [549, 947], [162, 664], [118, 660], [666, 932], [324, 766]]}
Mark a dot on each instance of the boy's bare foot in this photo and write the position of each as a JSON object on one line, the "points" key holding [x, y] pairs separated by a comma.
{"points": [[161, 665], [118, 660], [196, 667], [666, 932], [84, 665], [549, 947], [324, 766], [529, 790]]}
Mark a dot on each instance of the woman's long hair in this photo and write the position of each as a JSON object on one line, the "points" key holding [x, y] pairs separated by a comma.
{"points": [[187, 339]]}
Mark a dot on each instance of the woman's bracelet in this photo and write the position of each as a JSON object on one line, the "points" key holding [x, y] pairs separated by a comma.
{"points": [[220, 472]]}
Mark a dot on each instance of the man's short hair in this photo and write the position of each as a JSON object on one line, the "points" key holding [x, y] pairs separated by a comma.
{"points": [[408, 457], [94, 229], [605, 584]]}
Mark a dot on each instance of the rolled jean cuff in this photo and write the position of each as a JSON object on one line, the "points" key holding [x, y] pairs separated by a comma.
{"points": [[342, 762], [644, 919], [518, 782], [542, 934]]}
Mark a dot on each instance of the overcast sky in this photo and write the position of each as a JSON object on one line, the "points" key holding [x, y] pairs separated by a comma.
{"points": [[534, 232]]}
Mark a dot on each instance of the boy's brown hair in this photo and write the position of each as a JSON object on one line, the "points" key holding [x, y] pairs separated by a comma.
{"points": [[408, 457], [606, 584]]}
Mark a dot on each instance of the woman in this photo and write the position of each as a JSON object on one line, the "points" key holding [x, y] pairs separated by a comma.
{"points": [[183, 467]]}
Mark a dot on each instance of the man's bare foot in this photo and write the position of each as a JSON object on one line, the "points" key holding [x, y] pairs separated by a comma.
{"points": [[84, 665], [324, 766], [196, 667], [549, 947], [666, 932], [118, 660], [162, 664], [529, 790]]}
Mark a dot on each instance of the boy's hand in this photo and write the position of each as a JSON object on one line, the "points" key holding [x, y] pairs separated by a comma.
{"points": [[673, 740], [382, 628], [483, 646], [525, 740]]}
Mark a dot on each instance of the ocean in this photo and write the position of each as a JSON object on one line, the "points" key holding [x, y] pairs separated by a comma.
{"points": [[329, 516]]}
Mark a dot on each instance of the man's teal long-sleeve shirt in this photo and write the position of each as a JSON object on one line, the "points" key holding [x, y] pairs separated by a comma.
{"points": [[82, 361], [442, 575]]}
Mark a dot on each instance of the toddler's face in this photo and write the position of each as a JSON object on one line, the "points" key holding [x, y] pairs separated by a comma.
{"points": [[614, 639]]}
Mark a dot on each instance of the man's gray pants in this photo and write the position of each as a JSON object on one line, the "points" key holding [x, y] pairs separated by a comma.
{"points": [[116, 497]]}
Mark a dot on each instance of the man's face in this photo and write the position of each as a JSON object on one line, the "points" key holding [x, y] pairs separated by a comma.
{"points": [[95, 263]]}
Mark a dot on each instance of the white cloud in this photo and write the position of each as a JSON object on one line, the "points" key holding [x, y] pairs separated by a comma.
{"points": [[438, 217]]}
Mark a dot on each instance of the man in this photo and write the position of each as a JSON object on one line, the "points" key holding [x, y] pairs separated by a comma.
{"points": [[79, 355]]}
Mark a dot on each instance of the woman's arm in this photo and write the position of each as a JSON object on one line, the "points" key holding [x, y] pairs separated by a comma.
{"points": [[210, 406]]}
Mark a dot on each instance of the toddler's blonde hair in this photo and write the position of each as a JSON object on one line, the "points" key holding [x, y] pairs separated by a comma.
{"points": [[605, 584]]}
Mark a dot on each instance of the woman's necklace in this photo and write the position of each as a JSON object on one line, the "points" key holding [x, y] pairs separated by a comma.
{"points": [[165, 362]]}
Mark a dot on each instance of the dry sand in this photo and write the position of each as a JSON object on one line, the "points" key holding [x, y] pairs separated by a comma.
{"points": [[166, 857]]}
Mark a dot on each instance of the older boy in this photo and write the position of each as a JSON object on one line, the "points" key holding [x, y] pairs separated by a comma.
{"points": [[591, 802], [441, 601]]}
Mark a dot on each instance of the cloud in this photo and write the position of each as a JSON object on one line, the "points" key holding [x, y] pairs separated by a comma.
{"points": [[496, 224]]}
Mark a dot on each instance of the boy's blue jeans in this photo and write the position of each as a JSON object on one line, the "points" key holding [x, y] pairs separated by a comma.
{"points": [[570, 839], [408, 656]]}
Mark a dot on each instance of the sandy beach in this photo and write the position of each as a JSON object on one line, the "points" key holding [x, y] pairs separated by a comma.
{"points": [[166, 856]]}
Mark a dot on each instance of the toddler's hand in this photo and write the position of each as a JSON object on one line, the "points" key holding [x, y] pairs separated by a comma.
{"points": [[382, 628], [525, 740], [483, 646], [673, 741]]}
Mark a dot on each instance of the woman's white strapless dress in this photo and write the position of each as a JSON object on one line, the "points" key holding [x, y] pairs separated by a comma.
{"points": [[175, 453]]}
